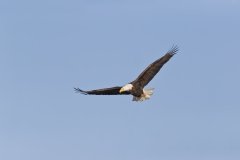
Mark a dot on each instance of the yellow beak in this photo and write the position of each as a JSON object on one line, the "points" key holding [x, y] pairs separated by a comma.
{"points": [[121, 90]]}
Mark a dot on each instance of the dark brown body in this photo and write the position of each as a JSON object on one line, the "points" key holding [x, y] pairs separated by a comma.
{"points": [[137, 90]]}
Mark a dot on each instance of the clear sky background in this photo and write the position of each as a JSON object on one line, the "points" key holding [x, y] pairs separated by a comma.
{"points": [[48, 47]]}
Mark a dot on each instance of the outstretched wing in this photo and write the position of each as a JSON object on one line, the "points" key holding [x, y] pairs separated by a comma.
{"points": [[147, 75], [104, 91]]}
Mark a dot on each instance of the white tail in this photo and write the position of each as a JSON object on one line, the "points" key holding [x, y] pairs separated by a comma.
{"points": [[146, 95]]}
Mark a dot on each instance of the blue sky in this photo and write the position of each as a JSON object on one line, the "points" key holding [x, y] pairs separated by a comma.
{"points": [[49, 47]]}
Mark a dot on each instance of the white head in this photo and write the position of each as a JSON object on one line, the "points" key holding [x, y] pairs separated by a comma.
{"points": [[127, 87]]}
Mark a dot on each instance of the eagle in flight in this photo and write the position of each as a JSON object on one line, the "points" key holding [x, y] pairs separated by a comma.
{"points": [[136, 87]]}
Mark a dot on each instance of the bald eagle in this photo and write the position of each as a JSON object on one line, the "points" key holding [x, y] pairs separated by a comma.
{"points": [[136, 87]]}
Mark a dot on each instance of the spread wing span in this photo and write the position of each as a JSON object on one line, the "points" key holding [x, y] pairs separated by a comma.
{"points": [[104, 91], [147, 75]]}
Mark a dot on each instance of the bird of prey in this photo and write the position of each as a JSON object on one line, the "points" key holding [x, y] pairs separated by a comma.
{"points": [[136, 87]]}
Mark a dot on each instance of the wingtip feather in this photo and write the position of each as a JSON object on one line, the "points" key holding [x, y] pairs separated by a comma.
{"points": [[173, 50], [78, 90]]}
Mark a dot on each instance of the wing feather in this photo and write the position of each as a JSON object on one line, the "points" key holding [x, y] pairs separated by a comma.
{"points": [[104, 91], [147, 75]]}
